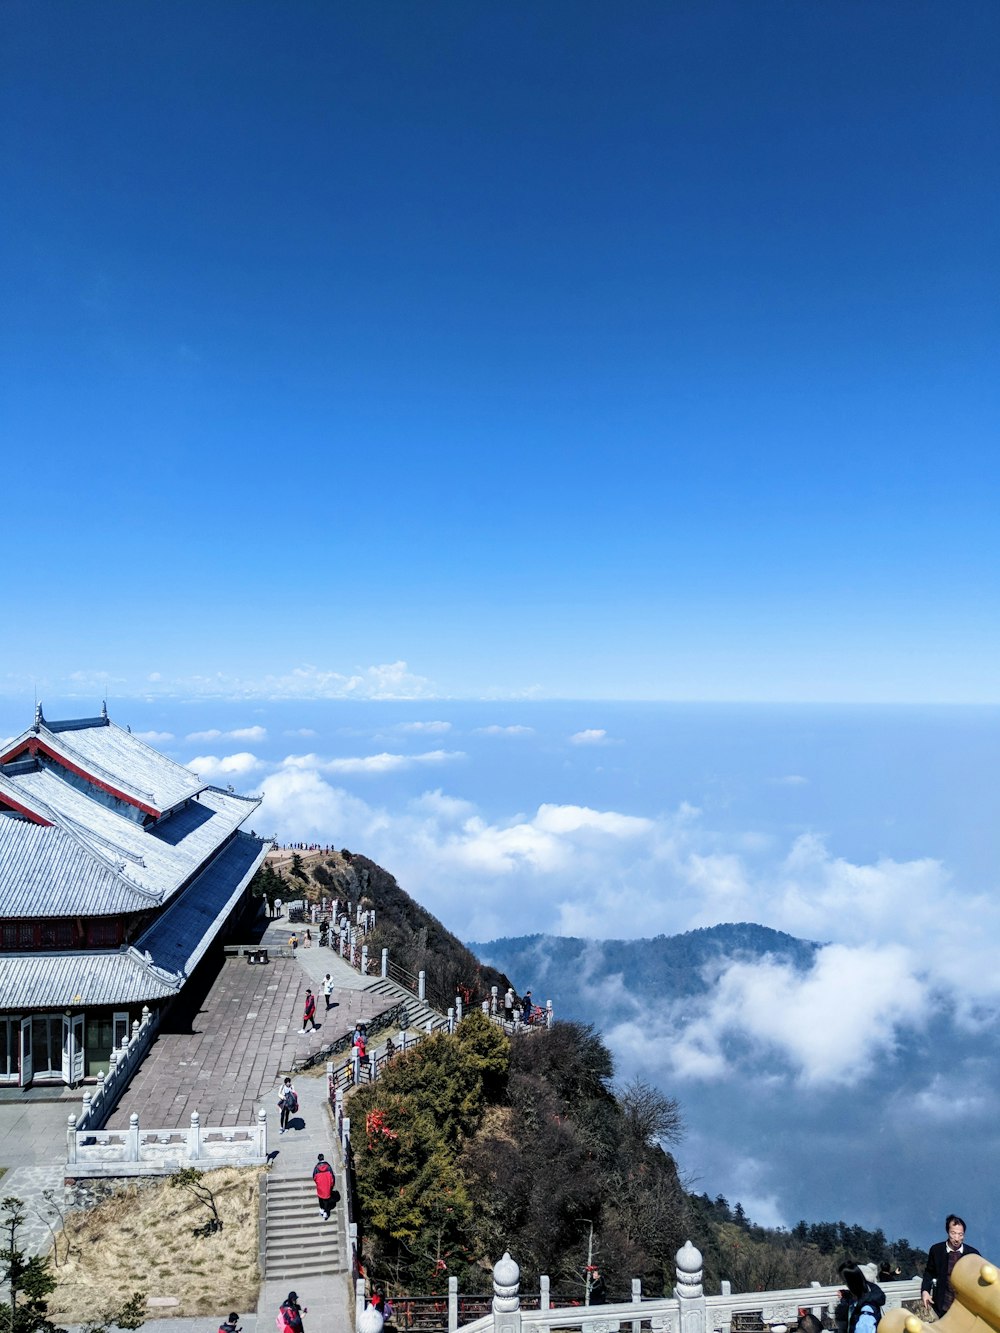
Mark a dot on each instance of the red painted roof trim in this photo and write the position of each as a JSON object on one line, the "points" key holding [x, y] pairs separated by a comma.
{"points": [[25, 810], [35, 745]]}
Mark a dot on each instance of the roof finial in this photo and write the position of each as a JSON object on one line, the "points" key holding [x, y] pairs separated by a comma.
{"points": [[39, 719], [104, 710]]}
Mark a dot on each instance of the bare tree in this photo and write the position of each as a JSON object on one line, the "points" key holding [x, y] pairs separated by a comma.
{"points": [[650, 1114]]}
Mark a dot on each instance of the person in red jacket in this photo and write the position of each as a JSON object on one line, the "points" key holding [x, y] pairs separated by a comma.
{"points": [[324, 1180], [309, 1012]]}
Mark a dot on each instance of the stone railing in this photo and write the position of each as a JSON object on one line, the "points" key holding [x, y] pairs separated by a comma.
{"points": [[689, 1310], [152, 1152], [343, 1126], [122, 1064]]}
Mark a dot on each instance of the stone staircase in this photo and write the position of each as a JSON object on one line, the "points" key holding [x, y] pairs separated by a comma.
{"points": [[299, 1243], [418, 1013]]}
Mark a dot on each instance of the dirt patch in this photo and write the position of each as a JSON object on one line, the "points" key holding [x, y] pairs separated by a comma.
{"points": [[142, 1240]]}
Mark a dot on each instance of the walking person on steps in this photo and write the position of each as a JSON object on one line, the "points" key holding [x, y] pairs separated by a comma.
{"points": [[324, 1180]]}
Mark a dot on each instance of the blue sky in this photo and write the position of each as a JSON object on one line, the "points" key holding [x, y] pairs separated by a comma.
{"points": [[571, 350]]}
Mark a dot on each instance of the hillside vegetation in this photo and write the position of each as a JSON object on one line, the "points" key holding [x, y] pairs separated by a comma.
{"points": [[477, 1143]]}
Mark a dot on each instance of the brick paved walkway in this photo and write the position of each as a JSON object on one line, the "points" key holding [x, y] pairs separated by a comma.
{"points": [[226, 1055]]}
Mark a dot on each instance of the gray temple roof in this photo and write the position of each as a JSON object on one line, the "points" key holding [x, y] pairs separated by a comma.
{"points": [[161, 960], [112, 755], [135, 866]]}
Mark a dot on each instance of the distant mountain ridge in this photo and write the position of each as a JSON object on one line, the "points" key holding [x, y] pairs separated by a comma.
{"points": [[665, 967]]}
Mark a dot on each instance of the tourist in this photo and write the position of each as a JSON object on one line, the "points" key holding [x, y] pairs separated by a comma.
{"points": [[598, 1291], [288, 1103], [935, 1289], [309, 1013], [328, 991], [291, 1312], [508, 1005], [324, 1180], [293, 942], [390, 1049], [307, 943], [526, 1007], [864, 1300], [232, 1324]]}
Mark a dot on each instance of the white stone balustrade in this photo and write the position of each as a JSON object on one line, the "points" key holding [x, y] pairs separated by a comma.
{"points": [[688, 1311], [122, 1064], [136, 1152]]}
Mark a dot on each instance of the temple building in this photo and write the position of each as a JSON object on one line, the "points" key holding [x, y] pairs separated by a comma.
{"points": [[118, 870]]}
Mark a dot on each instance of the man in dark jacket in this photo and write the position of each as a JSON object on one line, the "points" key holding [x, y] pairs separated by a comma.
{"points": [[935, 1289]]}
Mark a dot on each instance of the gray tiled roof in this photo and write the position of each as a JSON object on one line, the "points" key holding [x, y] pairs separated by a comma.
{"points": [[47, 872], [161, 961], [135, 866], [179, 935], [114, 755]]}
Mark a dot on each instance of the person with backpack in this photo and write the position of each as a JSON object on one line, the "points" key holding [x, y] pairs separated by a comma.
{"points": [[309, 1012], [232, 1324], [289, 1316], [864, 1300], [288, 1103], [328, 991], [324, 1180]]}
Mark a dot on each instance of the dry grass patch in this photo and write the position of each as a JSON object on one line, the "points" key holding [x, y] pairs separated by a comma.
{"points": [[141, 1239]]}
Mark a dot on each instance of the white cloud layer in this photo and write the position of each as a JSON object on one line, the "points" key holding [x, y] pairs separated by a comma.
{"points": [[237, 734], [370, 763], [575, 870], [592, 736], [211, 767]]}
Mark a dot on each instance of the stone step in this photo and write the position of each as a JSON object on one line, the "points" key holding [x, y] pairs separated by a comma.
{"points": [[293, 1228], [294, 1270]]}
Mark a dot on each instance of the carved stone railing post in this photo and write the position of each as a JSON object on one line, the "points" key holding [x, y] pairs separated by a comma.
{"points": [[494, 999], [636, 1298], [451, 1018], [724, 1313], [194, 1137], [544, 1290], [422, 985], [506, 1297], [364, 960], [458, 1008], [345, 1132], [261, 1132], [385, 964], [71, 1138], [453, 1305], [133, 1137], [690, 1296]]}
